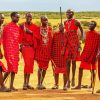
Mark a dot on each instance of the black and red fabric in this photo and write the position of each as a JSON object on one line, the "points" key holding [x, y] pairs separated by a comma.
{"points": [[59, 40], [73, 40]]}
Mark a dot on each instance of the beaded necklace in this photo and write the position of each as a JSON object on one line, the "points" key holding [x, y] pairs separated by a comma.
{"points": [[44, 34]]}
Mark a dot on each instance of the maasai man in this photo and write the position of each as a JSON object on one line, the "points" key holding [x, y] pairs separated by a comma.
{"points": [[43, 50], [71, 27], [2, 68], [28, 43], [11, 47], [59, 62], [88, 56]]}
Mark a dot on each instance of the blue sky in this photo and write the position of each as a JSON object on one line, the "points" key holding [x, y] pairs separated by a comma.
{"points": [[49, 5]]}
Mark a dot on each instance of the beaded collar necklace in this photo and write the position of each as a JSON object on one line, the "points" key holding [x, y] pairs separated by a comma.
{"points": [[44, 34]]}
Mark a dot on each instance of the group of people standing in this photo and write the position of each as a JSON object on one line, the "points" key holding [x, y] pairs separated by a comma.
{"points": [[38, 43]]}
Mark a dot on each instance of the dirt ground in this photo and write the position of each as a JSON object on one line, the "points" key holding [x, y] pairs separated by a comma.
{"points": [[48, 94]]}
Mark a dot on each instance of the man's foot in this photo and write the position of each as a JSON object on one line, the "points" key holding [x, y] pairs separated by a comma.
{"points": [[73, 83], [77, 87], [43, 87], [12, 89], [25, 87], [65, 88], [68, 84], [55, 87], [98, 91], [4, 89], [86, 86], [30, 87], [40, 87]]}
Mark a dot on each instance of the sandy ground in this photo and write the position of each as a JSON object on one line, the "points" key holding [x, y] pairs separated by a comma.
{"points": [[48, 94]]}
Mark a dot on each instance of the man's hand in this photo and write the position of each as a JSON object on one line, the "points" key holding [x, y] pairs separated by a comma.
{"points": [[29, 31], [20, 48]]}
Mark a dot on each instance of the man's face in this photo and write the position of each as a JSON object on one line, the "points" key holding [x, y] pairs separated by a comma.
{"points": [[1, 19], [16, 18], [69, 14], [92, 26], [44, 21], [28, 18]]}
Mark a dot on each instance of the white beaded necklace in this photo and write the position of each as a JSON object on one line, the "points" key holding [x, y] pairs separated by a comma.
{"points": [[44, 34]]}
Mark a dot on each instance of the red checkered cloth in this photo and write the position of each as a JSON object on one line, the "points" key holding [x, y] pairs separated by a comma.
{"points": [[59, 40], [43, 52], [73, 41], [91, 47]]}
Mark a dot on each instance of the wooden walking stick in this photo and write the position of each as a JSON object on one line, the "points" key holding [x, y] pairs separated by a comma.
{"points": [[61, 15]]}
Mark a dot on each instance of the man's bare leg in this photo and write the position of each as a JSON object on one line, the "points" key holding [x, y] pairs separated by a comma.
{"points": [[25, 82], [65, 81], [68, 72], [12, 82], [6, 76], [56, 77], [73, 73], [79, 79]]}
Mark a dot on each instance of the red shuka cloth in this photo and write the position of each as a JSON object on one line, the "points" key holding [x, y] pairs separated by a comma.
{"points": [[73, 41], [11, 46], [58, 42], [43, 52], [26, 40], [90, 49]]}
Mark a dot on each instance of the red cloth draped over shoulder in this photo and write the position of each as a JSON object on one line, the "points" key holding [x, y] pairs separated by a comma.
{"points": [[26, 38], [72, 37], [11, 46], [90, 49], [43, 52]]}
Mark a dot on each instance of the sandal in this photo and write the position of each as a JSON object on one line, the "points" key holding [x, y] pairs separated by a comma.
{"points": [[30, 87], [55, 87], [25, 87]]}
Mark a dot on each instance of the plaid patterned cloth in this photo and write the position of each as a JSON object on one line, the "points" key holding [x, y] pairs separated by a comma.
{"points": [[72, 37], [91, 47], [58, 43], [43, 52]]}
